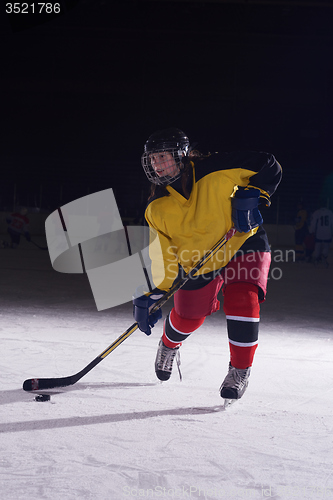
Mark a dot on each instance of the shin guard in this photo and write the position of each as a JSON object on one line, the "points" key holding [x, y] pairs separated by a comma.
{"points": [[177, 329], [242, 309]]}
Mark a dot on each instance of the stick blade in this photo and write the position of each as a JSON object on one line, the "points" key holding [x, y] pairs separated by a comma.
{"points": [[34, 384]]}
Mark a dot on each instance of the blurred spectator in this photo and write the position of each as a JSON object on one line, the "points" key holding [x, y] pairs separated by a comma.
{"points": [[322, 228], [18, 225], [301, 231], [309, 244]]}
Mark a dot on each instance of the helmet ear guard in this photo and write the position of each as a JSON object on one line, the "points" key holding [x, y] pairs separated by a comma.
{"points": [[172, 142]]}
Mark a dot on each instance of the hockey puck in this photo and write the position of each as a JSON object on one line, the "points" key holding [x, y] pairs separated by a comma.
{"points": [[42, 397]]}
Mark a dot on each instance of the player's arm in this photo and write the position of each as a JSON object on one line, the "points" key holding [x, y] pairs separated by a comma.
{"points": [[163, 256], [164, 270], [266, 175], [261, 177]]}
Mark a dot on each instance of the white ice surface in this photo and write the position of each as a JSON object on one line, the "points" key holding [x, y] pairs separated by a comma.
{"points": [[119, 433]]}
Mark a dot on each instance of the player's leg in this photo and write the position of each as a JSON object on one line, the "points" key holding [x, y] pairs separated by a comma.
{"points": [[14, 237], [299, 246], [325, 251], [189, 312], [317, 252], [244, 289]]}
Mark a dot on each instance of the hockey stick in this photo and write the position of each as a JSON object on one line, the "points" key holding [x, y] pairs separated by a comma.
{"points": [[38, 246], [35, 384]]}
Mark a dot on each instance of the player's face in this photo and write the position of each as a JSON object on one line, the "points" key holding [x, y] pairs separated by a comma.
{"points": [[164, 164]]}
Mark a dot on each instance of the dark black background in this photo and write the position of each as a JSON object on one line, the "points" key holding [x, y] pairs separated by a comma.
{"points": [[81, 93]]}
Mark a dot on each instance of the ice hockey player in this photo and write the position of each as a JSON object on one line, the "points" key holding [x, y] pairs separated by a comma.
{"points": [[18, 224], [195, 200], [301, 231], [322, 227]]}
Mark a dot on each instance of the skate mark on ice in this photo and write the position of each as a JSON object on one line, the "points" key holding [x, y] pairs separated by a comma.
{"points": [[116, 385], [78, 421]]}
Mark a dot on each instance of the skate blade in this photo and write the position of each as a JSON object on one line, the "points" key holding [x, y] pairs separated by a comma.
{"points": [[228, 402]]}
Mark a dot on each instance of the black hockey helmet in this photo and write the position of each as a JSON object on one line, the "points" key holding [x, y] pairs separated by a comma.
{"points": [[172, 141]]}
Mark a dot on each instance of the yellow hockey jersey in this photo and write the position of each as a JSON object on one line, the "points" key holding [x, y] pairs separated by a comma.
{"points": [[187, 228]]}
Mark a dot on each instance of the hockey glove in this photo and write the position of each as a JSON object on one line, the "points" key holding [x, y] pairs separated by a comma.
{"points": [[141, 307], [245, 213], [27, 236]]}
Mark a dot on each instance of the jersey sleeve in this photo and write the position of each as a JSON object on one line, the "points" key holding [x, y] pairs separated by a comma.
{"points": [[164, 260], [267, 176], [259, 170]]}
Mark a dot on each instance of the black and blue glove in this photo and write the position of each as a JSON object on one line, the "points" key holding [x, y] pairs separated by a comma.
{"points": [[142, 305], [245, 213]]}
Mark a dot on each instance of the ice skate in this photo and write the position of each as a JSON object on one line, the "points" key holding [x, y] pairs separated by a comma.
{"points": [[235, 383], [164, 361]]}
